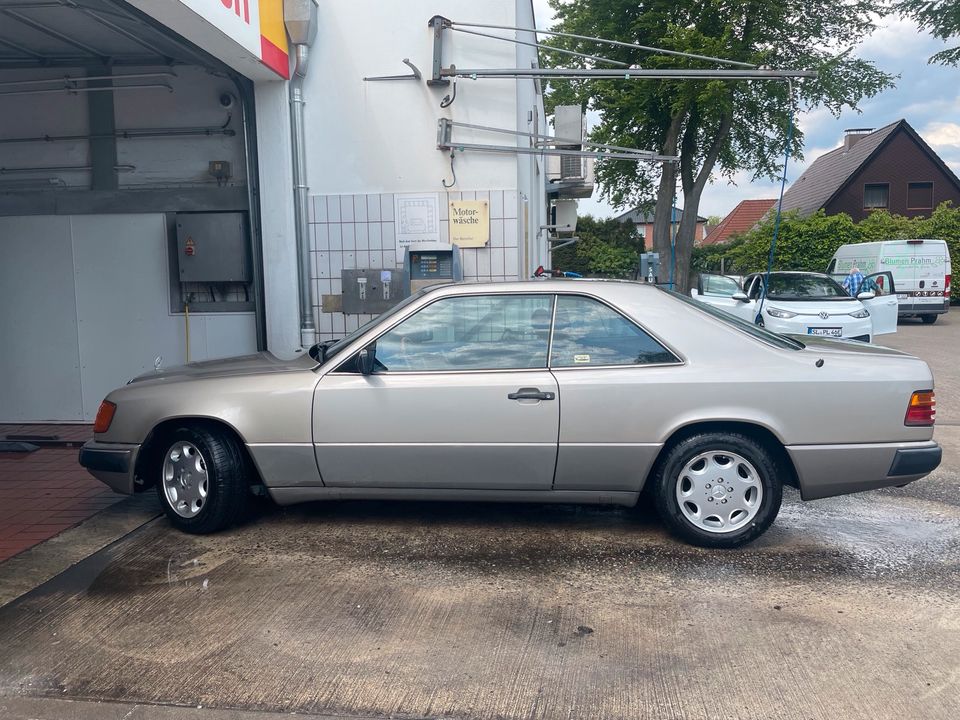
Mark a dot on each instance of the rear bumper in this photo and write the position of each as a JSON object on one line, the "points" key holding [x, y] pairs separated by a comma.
{"points": [[909, 307], [828, 470], [111, 463]]}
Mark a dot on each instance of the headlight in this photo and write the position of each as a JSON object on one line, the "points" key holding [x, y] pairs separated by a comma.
{"points": [[778, 313], [861, 313]]}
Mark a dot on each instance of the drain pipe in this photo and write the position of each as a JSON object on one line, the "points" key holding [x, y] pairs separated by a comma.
{"points": [[300, 19]]}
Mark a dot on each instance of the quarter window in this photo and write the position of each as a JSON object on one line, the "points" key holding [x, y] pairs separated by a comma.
{"points": [[483, 332], [588, 333]]}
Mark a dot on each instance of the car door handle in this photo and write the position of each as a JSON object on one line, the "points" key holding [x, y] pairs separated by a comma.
{"points": [[530, 394]]}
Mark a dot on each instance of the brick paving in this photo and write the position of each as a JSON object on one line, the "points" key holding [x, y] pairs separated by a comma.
{"points": [[45, 492]]}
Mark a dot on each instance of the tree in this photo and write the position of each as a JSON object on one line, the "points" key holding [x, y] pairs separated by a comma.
{"points": [[940, 17], [714, 126], [607, 248], [808, 243]]}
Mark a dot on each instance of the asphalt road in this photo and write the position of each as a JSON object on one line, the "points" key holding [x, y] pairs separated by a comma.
{"points": [[846, 608]]}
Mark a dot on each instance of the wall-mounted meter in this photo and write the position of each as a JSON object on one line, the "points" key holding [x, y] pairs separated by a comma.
{"points": [[432, 263]]}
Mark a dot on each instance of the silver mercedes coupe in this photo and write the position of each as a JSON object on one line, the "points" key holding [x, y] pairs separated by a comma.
{"points": [[571, 391]]}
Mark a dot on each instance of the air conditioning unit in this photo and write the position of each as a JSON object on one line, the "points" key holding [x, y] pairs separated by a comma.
{"points": [[570, 175]]}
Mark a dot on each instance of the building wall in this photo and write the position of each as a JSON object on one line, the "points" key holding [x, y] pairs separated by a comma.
{"points": [[86, 307], [899, 163], [367, 141], [359, 231]]}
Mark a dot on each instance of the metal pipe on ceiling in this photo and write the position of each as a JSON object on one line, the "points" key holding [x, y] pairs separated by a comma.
{"points": [[68, 79], [75, 90], [40, 27], [126, 135], [61, 168]]}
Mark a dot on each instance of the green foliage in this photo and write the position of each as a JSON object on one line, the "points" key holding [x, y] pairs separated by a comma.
{"points": [[607, 248], [717, 127], [940, 17], [808, 243]]}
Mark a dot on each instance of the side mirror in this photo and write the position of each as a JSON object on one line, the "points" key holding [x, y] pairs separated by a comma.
{"points": [[741, 296], [867, 295], [367, 359]]}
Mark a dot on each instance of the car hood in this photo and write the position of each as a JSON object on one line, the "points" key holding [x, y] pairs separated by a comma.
{"points": [[256, 364], [815, 307], [834, 346]]}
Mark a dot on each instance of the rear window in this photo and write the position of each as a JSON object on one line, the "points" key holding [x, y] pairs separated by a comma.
{"points": [[780, 341]]}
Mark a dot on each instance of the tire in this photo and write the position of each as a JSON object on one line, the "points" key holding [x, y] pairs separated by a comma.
{"points": [[679, 492], [928, 319], [202, 479]]}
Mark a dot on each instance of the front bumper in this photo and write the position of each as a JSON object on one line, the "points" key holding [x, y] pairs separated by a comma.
{"points": [[111, 463], [850, 328], [828, 470]]}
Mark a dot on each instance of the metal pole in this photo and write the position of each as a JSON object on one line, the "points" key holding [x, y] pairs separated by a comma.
{"points": [[308, 330], [628, 74], [605, 41]]}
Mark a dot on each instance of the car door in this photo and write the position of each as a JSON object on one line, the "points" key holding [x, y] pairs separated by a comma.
{"points": [[718, 291], [461, 398], [614, 377], [885, 307]]}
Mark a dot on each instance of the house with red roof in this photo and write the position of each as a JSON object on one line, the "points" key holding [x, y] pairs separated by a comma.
{"points": [[741, 219]]}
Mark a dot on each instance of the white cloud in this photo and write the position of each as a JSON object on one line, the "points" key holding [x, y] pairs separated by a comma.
{"points": [[941, 134], [898, 39]]}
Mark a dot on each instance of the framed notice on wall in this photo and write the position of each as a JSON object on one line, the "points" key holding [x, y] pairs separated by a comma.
{"points": [[469, 223], [417, 218]]}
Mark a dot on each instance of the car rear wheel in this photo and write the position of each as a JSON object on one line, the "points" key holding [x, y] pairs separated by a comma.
{"points": [[718, 490], [928, 319], [203, 483]]}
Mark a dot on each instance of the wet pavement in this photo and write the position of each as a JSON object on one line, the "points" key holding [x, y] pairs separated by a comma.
{"points": [[847, 608]]}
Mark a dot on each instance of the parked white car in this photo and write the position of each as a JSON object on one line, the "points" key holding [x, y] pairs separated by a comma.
{"points": [[802, 303]]}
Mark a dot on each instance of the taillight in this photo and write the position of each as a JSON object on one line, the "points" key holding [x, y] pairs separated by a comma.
{"points": [[104, 417], [946, 286], [922, 409]]}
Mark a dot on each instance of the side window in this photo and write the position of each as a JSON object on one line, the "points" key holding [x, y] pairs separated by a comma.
{"points": [[485, 332], [719, 285], [756, 283], [587, 332]]}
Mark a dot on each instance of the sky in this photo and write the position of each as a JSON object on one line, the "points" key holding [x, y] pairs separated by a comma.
{"points": [[927, 96]]}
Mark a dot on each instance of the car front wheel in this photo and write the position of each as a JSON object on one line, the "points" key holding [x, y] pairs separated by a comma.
{"points": [[203, 483], [718, 490]]}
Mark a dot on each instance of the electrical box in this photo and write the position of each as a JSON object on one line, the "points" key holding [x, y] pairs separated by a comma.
{"points": [[212, 247], [431, 263], [372, 291], [649, 267]]}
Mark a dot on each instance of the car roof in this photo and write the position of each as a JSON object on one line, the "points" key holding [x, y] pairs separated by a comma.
{"points": [[587, 285]]}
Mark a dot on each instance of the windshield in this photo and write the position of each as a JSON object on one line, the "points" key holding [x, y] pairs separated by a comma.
{"points": [[780, 341], [335, 346], [804, 287]]}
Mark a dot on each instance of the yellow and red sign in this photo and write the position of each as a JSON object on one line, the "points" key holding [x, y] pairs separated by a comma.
{"points": [[256, 25]]}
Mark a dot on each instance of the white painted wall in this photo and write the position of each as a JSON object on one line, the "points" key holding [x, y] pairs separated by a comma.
{"points": [[379, 137], [78, 320], [278, 225]]}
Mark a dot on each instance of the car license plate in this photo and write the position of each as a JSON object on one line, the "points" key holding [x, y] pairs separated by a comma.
{"points": [[829, 332]]}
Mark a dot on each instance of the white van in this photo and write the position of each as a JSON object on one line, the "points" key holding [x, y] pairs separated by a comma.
{"points": [[918, 271]]}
